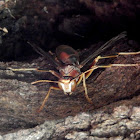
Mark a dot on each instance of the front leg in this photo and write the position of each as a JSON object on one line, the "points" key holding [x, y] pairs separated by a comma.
{"points": [[46, 98], [85, 87]]}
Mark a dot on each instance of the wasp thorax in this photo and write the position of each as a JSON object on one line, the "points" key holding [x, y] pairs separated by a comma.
{"points": [[67, 85]]}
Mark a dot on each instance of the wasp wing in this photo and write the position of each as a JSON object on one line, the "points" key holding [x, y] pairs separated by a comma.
{"points": [[44, 54], [104, 47]]}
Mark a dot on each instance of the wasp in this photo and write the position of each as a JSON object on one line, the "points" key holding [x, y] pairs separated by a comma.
{"points": [[69, 67]]}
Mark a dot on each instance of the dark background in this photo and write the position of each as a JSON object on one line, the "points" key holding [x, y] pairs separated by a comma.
{"points": [[78, 23]]}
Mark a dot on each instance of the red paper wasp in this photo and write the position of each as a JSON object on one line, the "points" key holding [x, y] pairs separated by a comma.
{"points": [[68, 65]]}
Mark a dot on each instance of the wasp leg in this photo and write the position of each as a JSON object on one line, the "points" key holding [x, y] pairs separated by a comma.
{"points": [[117, 65], [85, 87], [128, 53], [87, 73], [79, 80], [94, 66], [23, 69], [46, 98], [118, 54], [82, 76], [41, 81], [35, 69]]}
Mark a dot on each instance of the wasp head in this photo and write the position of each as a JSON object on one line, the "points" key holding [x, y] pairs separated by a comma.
{"points": [[67, 85]]}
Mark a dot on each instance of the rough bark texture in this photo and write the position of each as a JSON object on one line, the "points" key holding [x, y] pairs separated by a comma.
{"points": [[115, 92], [121, 124], [114, 87]]}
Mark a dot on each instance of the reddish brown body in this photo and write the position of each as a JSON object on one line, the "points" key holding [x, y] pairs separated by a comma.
{"points": [[69, 68], [69, 60], [67, 55], [67, 63]]}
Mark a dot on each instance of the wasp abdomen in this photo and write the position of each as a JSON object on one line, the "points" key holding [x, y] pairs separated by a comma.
{"points": [[67, 55]]}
